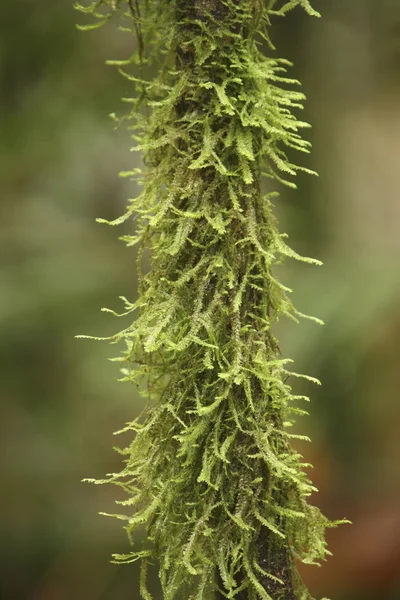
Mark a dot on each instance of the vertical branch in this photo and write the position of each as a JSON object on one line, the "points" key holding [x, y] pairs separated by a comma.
{"points": [[274, 559], [210, 470]]}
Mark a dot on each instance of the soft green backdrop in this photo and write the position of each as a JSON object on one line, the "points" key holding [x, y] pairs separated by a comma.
{"points": [[59, 159]]}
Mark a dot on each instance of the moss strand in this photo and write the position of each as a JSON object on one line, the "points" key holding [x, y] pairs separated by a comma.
{"points": [[210, 470]]}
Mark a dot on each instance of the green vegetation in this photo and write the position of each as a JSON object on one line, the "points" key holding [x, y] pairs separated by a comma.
{"points": [[211, 471]]}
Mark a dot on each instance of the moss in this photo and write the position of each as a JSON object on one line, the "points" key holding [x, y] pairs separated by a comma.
{"points": [[211, 471]]}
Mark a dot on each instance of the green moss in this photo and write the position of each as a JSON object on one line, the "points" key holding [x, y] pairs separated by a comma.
{"points": [[211, 471]]}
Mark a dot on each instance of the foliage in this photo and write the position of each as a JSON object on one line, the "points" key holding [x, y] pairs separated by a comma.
{"points": [[211, 471]]}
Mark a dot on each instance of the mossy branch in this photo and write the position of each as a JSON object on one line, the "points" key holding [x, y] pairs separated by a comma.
{"points": [[210, 470]]}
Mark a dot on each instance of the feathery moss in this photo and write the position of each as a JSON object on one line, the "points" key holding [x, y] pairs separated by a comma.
{"points": [[211, 471]]}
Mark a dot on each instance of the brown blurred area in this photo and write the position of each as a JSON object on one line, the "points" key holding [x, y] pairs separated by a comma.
{"points": [[60, 401]]}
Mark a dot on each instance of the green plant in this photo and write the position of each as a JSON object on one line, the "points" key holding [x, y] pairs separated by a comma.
{"points": [[211, 471]]}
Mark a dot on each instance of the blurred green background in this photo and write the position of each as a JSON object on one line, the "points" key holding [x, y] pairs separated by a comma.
{"points": [[59, 396]]}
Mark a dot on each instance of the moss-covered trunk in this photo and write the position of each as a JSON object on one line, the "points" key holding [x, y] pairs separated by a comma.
{"points": [[274, 559], [211, 471]]}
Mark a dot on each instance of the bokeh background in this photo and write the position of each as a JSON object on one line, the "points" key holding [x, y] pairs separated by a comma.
{"points": [[60, 398]]}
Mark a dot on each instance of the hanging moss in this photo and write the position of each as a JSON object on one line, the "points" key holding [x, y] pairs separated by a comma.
{"points": [[211, 471]]}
